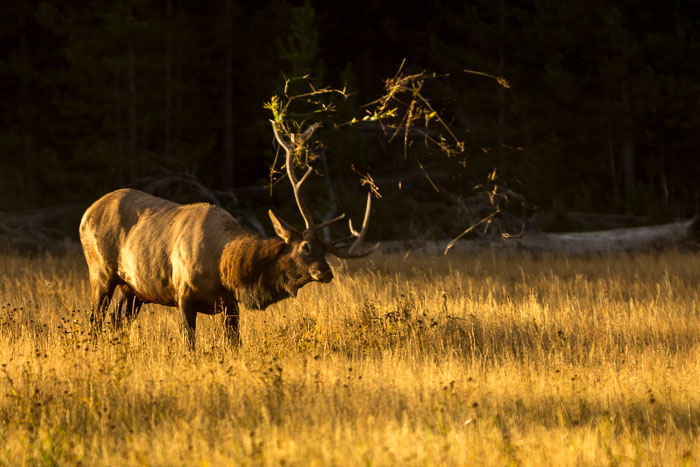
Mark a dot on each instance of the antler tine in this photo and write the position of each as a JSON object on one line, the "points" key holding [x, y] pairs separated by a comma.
{"points": [[344, 253], [340, 241], [340, 249], [327, 223], [289, 148], [347, 252], [365, 223]]}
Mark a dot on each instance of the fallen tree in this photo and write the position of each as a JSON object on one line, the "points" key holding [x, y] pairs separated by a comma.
{"points": [[683, 234], [44, 229], [676, 234]]}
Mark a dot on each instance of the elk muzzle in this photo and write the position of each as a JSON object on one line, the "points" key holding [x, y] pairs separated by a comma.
{"points": [[324, 275]]}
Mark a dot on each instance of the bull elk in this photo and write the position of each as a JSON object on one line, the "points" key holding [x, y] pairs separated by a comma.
{"points": [[198, 258]]}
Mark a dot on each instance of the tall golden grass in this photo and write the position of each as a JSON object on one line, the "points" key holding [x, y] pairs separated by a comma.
{"points": [[457, 361]]}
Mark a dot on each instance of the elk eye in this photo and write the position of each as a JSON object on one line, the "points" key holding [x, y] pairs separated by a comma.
{"points": [[306, 247]]}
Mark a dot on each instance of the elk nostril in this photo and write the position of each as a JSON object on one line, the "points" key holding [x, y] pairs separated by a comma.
{"points": [[327, 275], [322, 275]]}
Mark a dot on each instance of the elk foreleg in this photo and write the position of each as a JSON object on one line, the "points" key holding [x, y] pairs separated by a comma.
{"points": [[188, 320], [231, 324]]}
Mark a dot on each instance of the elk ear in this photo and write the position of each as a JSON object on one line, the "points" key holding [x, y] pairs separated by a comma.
{"points": [[284, 230]]}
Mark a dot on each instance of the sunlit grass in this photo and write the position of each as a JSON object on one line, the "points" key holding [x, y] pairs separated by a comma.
{"points": [[467, 360]]}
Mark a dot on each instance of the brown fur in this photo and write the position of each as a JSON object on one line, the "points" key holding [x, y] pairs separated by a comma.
{"points": [[196, 257]]}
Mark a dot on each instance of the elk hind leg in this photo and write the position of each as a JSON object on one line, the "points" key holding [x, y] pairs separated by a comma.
{"points": [[102, 291], [132, 309], [127, 307]]}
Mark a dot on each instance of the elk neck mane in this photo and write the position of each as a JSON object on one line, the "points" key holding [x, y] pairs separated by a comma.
{"points": [[252, 268]]}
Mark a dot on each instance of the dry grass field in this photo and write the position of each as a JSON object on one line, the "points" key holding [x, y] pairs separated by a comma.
{"points": [[479, 360]]}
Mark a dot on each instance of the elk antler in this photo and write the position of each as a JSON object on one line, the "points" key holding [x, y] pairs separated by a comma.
{"points": [[336, 247], [349, 252], [290, 147]]}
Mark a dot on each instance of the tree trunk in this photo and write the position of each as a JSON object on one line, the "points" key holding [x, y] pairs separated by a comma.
{"points": [[677, 234], [131, 155], [664, 182], [119, 128], [26, 106], [501, 89], [625, 240], [612, 241], [628, 147], [178, 79], [611, 158], [168, 144], [227, 166], [366, 66]]}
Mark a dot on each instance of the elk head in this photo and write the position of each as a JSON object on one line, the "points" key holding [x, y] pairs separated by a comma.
{"points": [[308, 252]]}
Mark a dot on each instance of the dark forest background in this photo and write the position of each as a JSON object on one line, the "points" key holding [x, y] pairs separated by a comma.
{"points": [[601, 114]]}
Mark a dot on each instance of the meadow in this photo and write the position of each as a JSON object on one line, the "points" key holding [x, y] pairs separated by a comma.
{"points": [[466, 360]]}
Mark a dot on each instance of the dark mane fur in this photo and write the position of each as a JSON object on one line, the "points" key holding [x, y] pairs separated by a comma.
{"points": [[252, 268]]}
